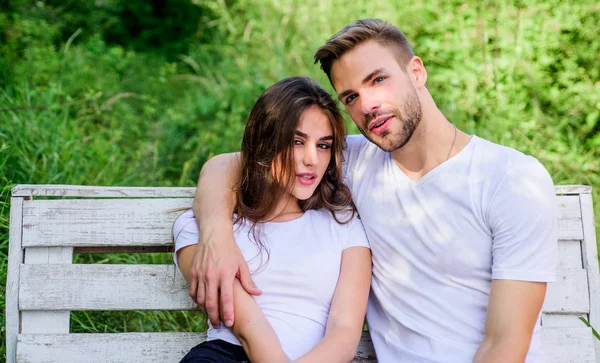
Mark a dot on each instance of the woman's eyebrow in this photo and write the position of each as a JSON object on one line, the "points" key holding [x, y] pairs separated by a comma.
{"points": [[302, 134]]}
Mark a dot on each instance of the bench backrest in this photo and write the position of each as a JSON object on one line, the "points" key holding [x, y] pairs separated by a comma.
{"points": [[48, 224]]}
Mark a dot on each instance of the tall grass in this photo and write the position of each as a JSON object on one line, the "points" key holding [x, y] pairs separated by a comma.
{"points": [[78, 110]]}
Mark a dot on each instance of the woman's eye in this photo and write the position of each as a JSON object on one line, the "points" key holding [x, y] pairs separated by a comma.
{"points": [[298, 142], [324, 146], [379, 79]]}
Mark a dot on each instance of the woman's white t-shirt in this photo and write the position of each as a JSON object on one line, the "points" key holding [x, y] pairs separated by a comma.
{"points": [[297, 276]]}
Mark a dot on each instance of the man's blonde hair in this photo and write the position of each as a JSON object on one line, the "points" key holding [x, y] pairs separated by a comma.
{"points": [[359, 32]]}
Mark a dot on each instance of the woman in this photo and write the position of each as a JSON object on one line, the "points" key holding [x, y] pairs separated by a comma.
{"points": [[296, 226]]}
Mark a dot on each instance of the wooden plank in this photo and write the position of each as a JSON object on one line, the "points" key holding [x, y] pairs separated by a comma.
{"points": [[569, 294], [148, 222], [126, 347], [573, 189], [563, 320], [100, 222], [569, 218], [102, 348], [103, 287], [55, 190], [569, 255], [128, 287], [43, 322], [590, 263], [568, 345], [15, 259]]}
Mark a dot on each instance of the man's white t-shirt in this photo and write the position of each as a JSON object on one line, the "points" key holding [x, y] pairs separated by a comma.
{"points": [[487, 213], [297, 277]]}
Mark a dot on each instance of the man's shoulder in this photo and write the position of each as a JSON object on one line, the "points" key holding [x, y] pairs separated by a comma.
{"points": [[511, 169], [503, 158]]}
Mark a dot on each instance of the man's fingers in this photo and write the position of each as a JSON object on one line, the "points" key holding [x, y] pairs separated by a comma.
{"points": [[192, 290], [200, 295], [246, 280], [227, 300], [212, 300]]}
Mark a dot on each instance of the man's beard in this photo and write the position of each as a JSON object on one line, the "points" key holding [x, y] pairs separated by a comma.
{"points": [[391, 140]]}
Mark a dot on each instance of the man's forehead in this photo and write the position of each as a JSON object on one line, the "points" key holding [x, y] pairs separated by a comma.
{"points": [[358, 63]]}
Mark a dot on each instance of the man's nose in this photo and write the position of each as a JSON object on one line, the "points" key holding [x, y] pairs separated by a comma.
{"points": [[369, 104]]}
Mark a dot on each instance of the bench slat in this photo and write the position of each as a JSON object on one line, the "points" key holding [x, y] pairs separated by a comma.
{"points": [[562, 320], [125, 347], [161, 287], [103, 287], [148, 222], [100, 222], [33, 190], [569, 345], [569, 294], [58, 190]]}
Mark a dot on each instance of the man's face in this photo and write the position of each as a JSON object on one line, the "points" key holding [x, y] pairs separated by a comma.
{"points": [[378, 94]]}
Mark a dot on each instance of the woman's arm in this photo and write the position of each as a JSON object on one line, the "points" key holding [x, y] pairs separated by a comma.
{"points": [[347, 313], [251, 327]]}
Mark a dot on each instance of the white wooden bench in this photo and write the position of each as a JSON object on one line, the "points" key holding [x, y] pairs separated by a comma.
{"points": [[50, 223]]}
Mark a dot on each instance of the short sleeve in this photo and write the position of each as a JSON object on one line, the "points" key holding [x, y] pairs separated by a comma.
{"points": [[185, 232], [357, 236], [523, 221], [354, 147]]}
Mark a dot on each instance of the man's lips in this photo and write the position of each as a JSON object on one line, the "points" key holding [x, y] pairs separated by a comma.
{"points": [[380, 124]]}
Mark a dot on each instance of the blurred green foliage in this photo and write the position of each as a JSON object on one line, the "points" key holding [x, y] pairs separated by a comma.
{"points": [[140, 92]]}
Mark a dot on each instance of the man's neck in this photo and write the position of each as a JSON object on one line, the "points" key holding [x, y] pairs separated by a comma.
{"points": [[434, 141]]}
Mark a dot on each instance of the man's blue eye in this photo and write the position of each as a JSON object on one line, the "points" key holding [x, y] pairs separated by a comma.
{"points": [[379, 79], [350, 98]]}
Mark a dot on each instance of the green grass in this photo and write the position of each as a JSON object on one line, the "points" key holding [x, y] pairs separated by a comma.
{"points": [[77, 107]]}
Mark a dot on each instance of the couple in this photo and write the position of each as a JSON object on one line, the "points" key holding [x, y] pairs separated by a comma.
{"points": [[462, 231]]}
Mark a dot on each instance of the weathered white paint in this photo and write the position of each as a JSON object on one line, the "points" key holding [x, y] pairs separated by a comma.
{"points": [[15, 258], [103, 287], [590, 262], [100, 222], [563, 320], [50, 190], [34, 322], [568, 345], [125, 347], [569, 294], [572, 189], [102, 348], [569, 254]]}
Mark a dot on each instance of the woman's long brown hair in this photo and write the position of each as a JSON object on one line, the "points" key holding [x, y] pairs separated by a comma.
{"points": [[269, 135]]}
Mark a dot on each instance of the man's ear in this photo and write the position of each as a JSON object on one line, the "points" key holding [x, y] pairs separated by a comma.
{"points": [[417, 72]]}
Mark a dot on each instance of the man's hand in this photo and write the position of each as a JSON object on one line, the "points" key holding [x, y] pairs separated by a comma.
{"points": [[217, 262]]}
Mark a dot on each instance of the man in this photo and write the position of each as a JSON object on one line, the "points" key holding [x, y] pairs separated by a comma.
{"points": [[462, 231]]}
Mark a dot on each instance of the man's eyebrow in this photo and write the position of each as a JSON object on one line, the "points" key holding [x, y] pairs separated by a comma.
{"points": [[302, 134], [365, 80]]}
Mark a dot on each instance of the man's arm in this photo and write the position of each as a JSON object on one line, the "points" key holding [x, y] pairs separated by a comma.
{"points": [[217, 260], [511, 316], [347, 312]]}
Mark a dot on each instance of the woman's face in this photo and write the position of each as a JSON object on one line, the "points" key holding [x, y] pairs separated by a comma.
{"points": [[311, 151]]}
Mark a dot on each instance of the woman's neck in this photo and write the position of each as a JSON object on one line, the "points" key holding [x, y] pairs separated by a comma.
{"points": [[286, 209]]}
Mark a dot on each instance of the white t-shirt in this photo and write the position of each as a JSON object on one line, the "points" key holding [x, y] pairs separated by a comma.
{"points": [[297, 278], [487, 213]]}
